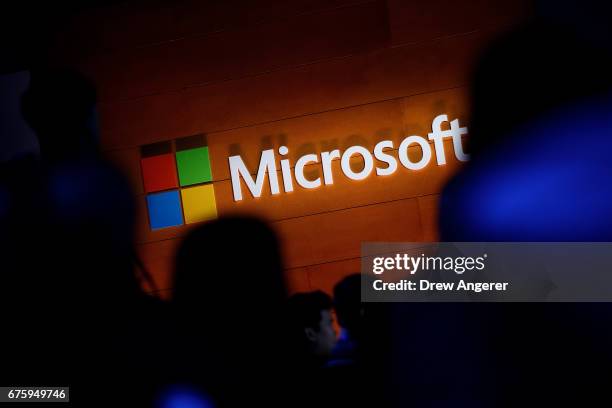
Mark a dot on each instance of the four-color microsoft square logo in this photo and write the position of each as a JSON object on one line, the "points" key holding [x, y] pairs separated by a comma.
{"points": [[178, 182]]}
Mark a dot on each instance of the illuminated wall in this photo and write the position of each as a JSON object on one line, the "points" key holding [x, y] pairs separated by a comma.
{"points": [[312, 75]]}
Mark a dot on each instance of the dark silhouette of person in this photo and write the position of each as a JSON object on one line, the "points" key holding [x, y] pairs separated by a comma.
{"points": [[350, 314], [229, 296], [536, 68], [67, 237], [539, 138], [310, 321], [358, 371], [60, 107]]}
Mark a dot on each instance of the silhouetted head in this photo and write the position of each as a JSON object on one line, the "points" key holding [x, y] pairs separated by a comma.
{"points": [[347, 302], [529, 72], [229, 273], [539, 94], [311, 320], [92, 216], [229, 296], [60, 106]]}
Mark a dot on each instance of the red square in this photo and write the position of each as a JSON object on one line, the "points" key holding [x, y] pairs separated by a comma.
{"points": [[159, 173]]}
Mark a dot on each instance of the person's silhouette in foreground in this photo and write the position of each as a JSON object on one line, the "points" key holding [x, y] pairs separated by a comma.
{"points": [[362, 349], [540, 139], [350, 314], [69, 269], [310, 320], [229, 296]]}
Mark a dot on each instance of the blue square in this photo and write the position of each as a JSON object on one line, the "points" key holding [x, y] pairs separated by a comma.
{"points": [[165, 209]]}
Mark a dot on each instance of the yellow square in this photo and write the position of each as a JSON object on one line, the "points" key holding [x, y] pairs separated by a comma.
{"points": [[199, 203]]}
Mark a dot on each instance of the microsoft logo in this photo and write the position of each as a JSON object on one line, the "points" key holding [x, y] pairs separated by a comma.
{"points": [[177, 180]]}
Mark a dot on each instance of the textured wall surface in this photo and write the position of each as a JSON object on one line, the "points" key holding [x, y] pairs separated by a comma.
{"points": [[309, 74]]}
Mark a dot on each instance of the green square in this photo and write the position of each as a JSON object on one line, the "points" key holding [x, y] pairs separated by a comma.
{"points": [[193, 166]]}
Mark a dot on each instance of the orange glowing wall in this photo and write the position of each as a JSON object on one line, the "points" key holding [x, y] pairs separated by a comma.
{"points": [[310, 74]]}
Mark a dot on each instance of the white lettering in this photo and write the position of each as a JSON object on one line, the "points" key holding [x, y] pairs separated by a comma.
{"points": [[299, 171], [384, 157], [367, 160], [403, 153], [266, 165]]}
